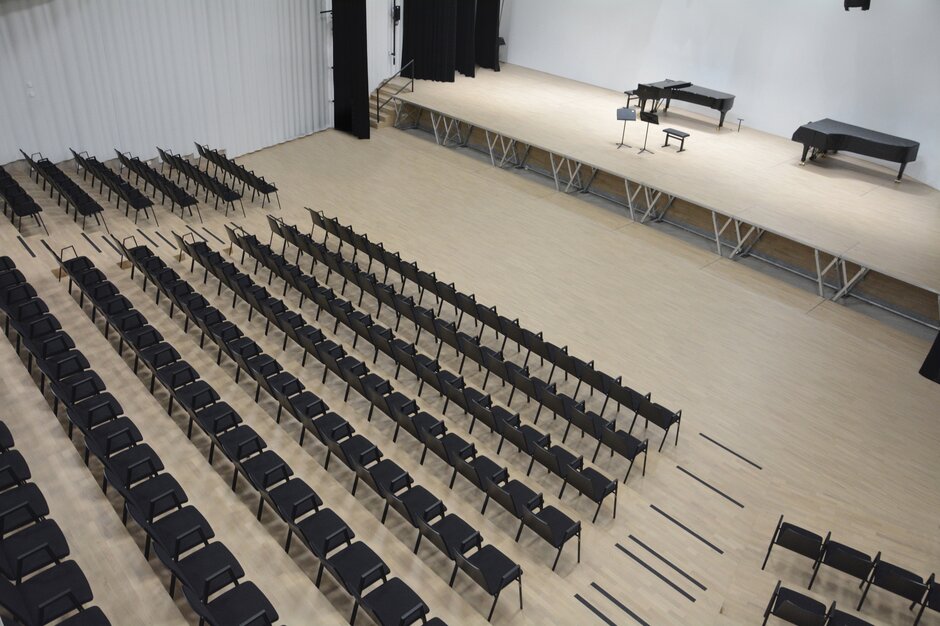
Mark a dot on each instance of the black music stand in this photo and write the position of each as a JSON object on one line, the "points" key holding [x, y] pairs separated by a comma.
{"points": [[650, 118], [626, 114]]}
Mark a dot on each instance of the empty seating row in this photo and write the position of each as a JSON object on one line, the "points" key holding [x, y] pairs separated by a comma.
{"points": [[238, 172], [210, 183], [424, 511], [37, 587], [179, 534], [867, 570], [20, 203], [355, 566], [66, 188], [610, 388], [487, 476], [160, 183], [800, 609], [602, 429], [131, 195], [527, 439]]}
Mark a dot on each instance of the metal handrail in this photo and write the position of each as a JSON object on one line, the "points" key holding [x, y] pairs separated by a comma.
{"points": [[411, 83]]}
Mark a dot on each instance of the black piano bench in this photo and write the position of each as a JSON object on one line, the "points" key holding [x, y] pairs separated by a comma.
{"points": [[631, 95], [675, 134]]}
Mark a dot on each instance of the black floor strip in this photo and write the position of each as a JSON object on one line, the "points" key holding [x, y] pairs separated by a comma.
{"points": [[655, 573], [687, 529], [596, 611], [28, 249], [620, 605], [727, 449], [49, 248], [93, 244], [674, 567], [148, 238], [196, 232], [113, 247], [712, 487], [170, 243], [214, 236]]}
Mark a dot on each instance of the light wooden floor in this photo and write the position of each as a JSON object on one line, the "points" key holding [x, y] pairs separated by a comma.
{"points": [[826, 401], [843, 205]]}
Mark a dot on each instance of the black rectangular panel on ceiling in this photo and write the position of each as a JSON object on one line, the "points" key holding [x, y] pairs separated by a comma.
{"points": [[430, 38], [350, 68], [487, 34], [466, 39]]}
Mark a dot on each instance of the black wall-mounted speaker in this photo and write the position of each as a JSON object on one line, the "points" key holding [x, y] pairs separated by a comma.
{"points": [[864, 5]]}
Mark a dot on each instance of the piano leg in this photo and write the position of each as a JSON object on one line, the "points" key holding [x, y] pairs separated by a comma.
{"points": [[900, 173], [805, 151], [721, 121]]}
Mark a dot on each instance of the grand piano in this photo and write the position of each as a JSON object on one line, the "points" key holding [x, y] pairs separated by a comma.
{"points": [[685, 91], [830, 136]]}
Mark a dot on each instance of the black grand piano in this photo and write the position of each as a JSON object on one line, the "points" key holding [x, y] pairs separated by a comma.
{"points": [[685, 91], [830, 136]]}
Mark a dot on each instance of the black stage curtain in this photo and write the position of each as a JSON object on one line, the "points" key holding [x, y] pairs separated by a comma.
{"points": [[466, 39], [487, 34], [430, 38], [931, 367], [350, 68]]}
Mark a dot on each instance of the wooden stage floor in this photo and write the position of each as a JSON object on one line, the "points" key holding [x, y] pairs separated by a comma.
{"points": [[841, 205], [826, 401]]}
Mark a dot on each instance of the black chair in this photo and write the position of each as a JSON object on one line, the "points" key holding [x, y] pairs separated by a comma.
{"points": [[492, 570], [796, 539], [89, 616], [841, 557], [591, 483], [554, 527], [394, 604], [31, 549], [243, 604], [795, 608], [897, 580], [624, 444], [660, 416], [841, 618], [50, 594]]}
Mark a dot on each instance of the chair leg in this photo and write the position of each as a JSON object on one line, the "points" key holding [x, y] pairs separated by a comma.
{"points": [[493, 608]]}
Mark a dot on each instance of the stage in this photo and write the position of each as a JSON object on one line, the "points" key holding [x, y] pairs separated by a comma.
{"points": [[848, 211]]}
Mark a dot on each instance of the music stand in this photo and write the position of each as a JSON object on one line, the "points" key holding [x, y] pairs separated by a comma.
{"points": [[627, 115], [650, 118]]}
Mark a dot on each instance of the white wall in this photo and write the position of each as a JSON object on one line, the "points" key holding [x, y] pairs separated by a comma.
{"points": [[787, 61], [379, 34], [132, 74]]}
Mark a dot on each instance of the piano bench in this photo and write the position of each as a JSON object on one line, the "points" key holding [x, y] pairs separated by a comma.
{"points": [[631, 94], [675, 134]]}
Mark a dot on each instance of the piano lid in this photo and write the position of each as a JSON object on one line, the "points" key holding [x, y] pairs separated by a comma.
{"points": [[668, 84], [834, 127]]}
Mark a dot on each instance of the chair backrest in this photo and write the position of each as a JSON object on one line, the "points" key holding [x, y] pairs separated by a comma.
{"points": [[847, 560], [798, 615], [799, 540]]}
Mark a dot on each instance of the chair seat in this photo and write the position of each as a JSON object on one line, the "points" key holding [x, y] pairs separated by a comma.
{"points": [[354, 447], [800, 601], [217, 418], [177, 533], [495, 566], [14, 547], [92, 616], [566, 459], [196, 395], [240, 442], [324, 530], [357, 567], [240, 603], [13, 469], [266, 468], [157, 495], [201, 569], [420, 503], [294, 498], [841, 618], [454, 531], [559, 524], [601, 484], [385, 473], [112, 437], [395, 604], [133, 464], [28, 495], [50, 582]]}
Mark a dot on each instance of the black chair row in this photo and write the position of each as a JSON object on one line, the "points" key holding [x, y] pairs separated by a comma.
{"points": [[66, 188], [179, 534], [353, 564], [37, 586], [209, 183], [159, 183], [584, 372], [487, 476], [133, 198], [857, 564], [800, 609], [20, 203], [602, 430], [238, 172], [527, 439]]}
